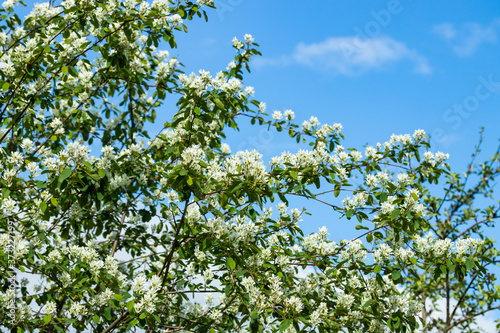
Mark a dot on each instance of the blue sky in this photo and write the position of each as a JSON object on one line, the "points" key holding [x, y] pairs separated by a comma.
{"points": [[378, 68]]}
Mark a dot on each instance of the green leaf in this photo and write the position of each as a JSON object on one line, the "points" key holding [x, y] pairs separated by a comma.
{"points": [[369, 238], [130, 305], [107, 313], [469, 263], [102, 173], [118, 297], [97, 319], [65, 70], [395, 214], [284, 325], [6, 86], [134, 322], [43, 206], [414, 196], [47, 319], [53, 201], [377, 269], [87, 164], [228, 289], [417, 155], [231, 263], [337, 190], [396, 275], [65, 174], [190, 181], [219, 103]]}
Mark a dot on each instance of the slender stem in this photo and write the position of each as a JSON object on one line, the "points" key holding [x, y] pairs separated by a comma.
{"points": [[115, 244], [116, 322], [448, 317]]}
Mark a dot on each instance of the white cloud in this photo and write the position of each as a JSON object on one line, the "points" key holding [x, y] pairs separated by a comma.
{"points": [[445, 31], [466, 40], [350, 55]]}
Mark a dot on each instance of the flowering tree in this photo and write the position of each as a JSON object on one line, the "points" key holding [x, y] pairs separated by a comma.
{"points": [[170, 231], [453, 216]]}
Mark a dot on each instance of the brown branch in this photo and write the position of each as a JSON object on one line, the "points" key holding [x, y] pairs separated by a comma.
{"points": [[168, 260], [142, 257], [463, 295], [116, 322], [115, 244], [474, 315]]}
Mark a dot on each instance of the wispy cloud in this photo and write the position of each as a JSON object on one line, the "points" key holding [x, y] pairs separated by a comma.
{"points": [[350, 55], [469, 37]]}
